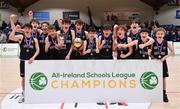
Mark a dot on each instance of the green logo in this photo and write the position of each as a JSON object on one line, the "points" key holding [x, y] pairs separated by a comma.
{"points": [[4, 49], [149, 80], [38, 81]]}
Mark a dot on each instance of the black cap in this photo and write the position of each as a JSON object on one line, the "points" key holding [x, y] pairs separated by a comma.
{"points": [[91, 29], [144, 30], [27, 25], [106, 27]]}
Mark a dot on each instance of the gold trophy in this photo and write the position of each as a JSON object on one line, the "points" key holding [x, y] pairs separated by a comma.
{"points": [[77, 42], [62, 40]]}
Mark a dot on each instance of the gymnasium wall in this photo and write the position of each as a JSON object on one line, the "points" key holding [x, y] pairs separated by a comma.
{"points": [[56, 7], [167, 15], [5, 13]]}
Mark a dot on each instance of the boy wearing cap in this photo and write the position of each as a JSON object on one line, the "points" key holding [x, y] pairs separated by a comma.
{"points": [[134, 30], [160, 51], [143, 47], [29, 49], [91, 48]]}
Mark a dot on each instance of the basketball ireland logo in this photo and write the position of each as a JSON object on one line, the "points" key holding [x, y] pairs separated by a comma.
{"points": [[149, 80], [38, 81]]}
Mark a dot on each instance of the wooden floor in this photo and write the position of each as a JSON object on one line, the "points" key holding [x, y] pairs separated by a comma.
{"points": [[10, 80]]}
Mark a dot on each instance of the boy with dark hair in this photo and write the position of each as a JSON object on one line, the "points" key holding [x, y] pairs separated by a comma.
{"points": [[52, 43], [80, 37], [106, 42], [35, 25], [66, 36], [134, 33], [29, 50], [43, 34]]}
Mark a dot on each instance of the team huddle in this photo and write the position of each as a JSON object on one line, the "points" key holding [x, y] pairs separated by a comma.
{"points": [[115, 42]]}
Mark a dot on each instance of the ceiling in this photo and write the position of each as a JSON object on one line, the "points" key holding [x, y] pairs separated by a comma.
{"points": [[21, 5], [155, 4]]}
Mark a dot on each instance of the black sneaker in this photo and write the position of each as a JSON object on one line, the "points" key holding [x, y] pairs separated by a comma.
{"points": [[100, 103], [165, 97], [76, 104], [113, 103], [122, 104]]}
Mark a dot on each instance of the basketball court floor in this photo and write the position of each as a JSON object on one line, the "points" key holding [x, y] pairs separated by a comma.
{"points": [[10, 84]]}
